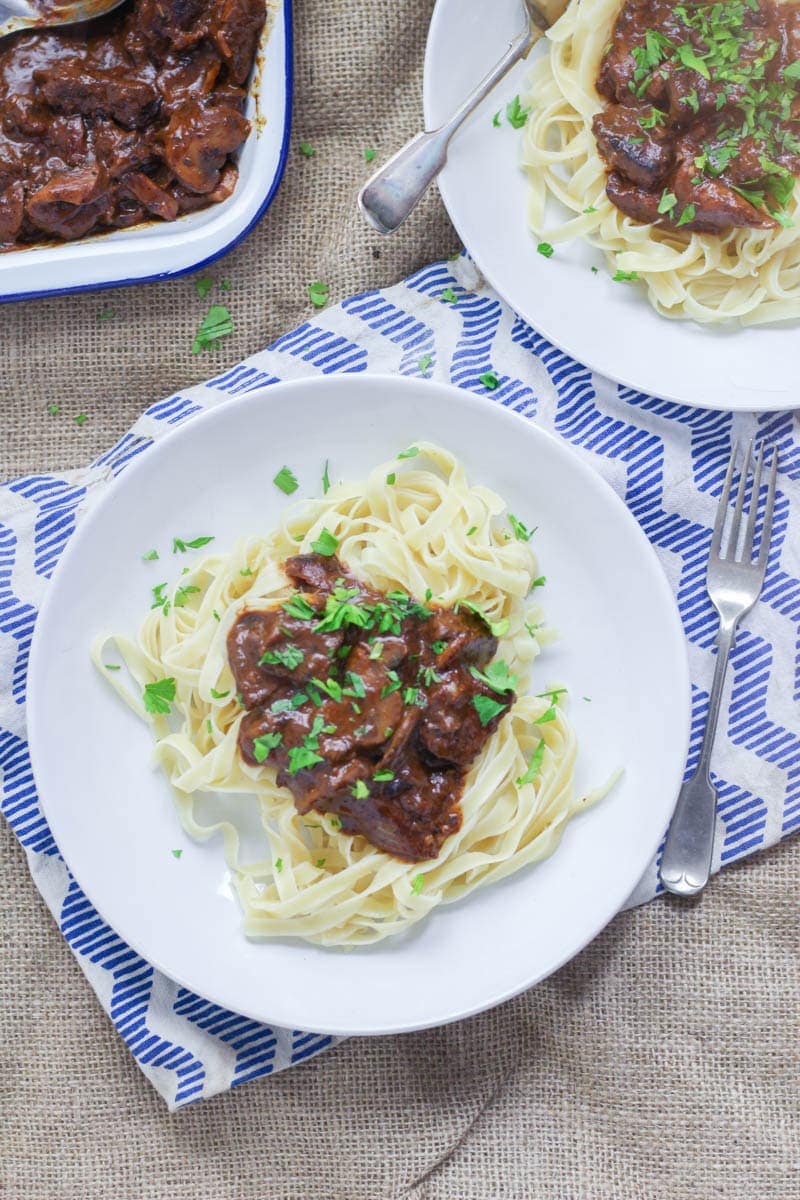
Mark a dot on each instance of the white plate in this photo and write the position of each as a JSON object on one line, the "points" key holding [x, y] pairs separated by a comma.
{"points": [[111, 811], [608, 326], [161, 249]]}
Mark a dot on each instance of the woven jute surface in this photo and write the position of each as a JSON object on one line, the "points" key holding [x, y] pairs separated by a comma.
{"points": [[663, 1062]]}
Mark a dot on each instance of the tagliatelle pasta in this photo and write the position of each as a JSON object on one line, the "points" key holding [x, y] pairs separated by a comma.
{"points": [[434, 535]]}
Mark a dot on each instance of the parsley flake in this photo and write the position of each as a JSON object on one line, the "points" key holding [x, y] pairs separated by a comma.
{"points": [[534, 766], [516, 113], [215, 325], [150, 556], [545, 249], [487, 709], [318, 293], [411, 452], [417, 884], [264, 745], [369, 154], [203, 286], [448, 296], [326, 544], [489, 380], [520, 530], [179, 546], [158, 696], [326, 480], [286, 480], [306, 149]]}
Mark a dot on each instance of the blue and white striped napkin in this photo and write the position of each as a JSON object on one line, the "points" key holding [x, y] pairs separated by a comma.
{"points": [[665, 460]]}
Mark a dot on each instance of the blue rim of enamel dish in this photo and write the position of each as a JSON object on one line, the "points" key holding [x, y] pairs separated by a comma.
{"points": [[288, 70]]}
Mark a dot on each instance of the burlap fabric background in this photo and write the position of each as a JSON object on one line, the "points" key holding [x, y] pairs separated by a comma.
{"points": [[662, 1064]]}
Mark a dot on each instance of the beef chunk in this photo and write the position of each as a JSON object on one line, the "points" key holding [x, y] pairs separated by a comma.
{"points": [[70, 203], [77, 88], [199, 139], [295, 652], [640, 154]]}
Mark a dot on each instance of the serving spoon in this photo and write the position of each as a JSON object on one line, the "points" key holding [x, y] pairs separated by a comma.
{"points": [[394, 191], [16, 15]]}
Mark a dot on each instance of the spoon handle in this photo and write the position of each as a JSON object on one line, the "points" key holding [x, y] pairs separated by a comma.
{"points": [[397, 187]]}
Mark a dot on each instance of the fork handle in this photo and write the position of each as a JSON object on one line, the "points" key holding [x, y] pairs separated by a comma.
{"points": [[686, 861], [389, 197]]}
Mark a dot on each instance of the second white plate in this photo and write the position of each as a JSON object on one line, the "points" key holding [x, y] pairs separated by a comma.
{"points": [[608, 326]]}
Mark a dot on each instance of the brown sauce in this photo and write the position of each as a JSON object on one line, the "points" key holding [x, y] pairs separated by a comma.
{"points": [[121, 120], [371, 706], [702, 131]]}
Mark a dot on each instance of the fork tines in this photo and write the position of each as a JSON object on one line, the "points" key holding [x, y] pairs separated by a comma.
{"points": [[733, 552]]}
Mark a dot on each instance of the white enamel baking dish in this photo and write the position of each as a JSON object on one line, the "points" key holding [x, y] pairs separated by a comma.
{"points": [[161, 250]]}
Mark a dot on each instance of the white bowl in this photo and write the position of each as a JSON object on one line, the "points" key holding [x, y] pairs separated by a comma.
{"points": [[159, 250]]}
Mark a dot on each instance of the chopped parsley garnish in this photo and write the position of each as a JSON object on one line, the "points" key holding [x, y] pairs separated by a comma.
{"points": [[417, 884], [54, 409], [215, 695], [319, 864], [112, 667], [306, 149], [215, 325], [360, 791], [318, 293], [489, 380], [203, 286], [301, 758], [81, 418], [626, 276], [286, 480], [516, 113], [590, 209], [326, 544], [448, 296], [667, 202], [496, 676], [424, 363], [289, 657], [548, 715], [326, 480], [540, 581], [279, 865], [297, 606], [496, 119], [369, 154], [410, 452], [534, 766], [160, 599], [158, 696], [487, 709], [246, 571], [472, 529], [150, 556], [179, 546], [383, 776], [176, 853], [545, 249], [520, 530], [264, 745], [497, 628], [686, 216], [391, 478], [181, 594], [438, 647]]}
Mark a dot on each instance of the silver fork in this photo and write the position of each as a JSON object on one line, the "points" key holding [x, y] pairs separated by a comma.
{"points": [[397, 187], [734, 579]]}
